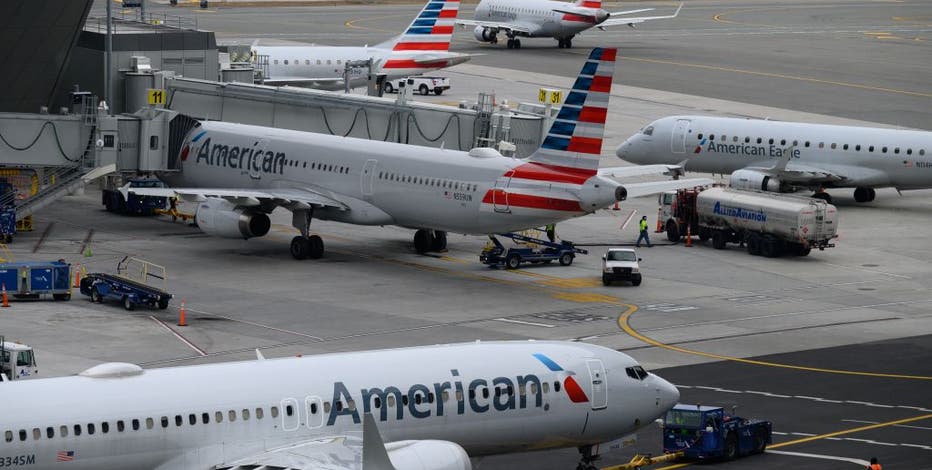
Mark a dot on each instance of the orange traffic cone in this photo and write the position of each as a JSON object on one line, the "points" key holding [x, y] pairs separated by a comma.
{"points": [[689, 236], [615, 207], [181, 321], [77, 276], [659, 224], [6, 301]]}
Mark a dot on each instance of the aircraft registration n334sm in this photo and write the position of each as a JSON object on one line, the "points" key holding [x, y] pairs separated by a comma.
{"points": [[423, 47], [240, 173], [784, 156], [370, 410], [547, 19]]}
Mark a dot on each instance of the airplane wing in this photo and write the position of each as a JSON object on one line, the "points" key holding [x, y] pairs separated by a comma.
{"points": [[244, 197], [633, 20], [451, 58], [655, 187], [641, 170], [629, 12], [497, 25], [795, 173]]}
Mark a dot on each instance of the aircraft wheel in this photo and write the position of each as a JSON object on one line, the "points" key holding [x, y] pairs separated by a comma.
{"points": [[438, 242], [512, 261], [566, 259], [568, 43], [863, 194], [560, 43], [517, 44], [511, 43], [316, 247], [300, 247], [422, 241]]}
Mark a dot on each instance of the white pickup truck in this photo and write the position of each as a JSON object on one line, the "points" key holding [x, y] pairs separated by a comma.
{"points": [[621, 264], [423, 85]]}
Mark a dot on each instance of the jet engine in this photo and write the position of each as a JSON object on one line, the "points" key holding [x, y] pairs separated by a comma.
{"points": [[751, 179], [428, 455], [221, 218], [598, 192], [484, 34]]}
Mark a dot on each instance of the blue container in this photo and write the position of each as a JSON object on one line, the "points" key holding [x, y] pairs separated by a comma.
{"points": [[32, 278]]}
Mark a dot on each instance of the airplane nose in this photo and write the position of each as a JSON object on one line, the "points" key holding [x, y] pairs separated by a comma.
{"points": [[669, 394], [622, 150]]}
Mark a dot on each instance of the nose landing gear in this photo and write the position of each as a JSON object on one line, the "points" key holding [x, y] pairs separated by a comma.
{"points": [[587, 458]]}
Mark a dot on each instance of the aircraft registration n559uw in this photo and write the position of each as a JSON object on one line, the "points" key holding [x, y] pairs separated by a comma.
{"points": [[370, 410], [240, 173], [783, 156], [547, 19], [423, 47]]}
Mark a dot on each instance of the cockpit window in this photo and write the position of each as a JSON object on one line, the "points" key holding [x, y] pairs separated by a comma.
{"points": [[649, 130], [636, 372]]}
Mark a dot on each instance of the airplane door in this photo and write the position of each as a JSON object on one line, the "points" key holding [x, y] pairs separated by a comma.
{"points": [[366, 177], [678, 141], [315, 412], [255, 163], [291, 416], [599, 384], [500, 195]]}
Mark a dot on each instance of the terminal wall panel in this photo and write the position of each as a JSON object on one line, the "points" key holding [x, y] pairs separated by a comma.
{"points": [[21, 129]]}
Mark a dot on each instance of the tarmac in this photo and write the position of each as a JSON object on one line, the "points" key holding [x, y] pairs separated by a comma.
{"points": [[834, 348]]}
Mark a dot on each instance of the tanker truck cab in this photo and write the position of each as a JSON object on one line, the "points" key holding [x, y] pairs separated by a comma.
{"points": [[17, 361], [621, 264]]}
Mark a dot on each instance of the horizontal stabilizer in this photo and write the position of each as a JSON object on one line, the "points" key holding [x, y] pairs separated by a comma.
{"points": [[656, 187]]}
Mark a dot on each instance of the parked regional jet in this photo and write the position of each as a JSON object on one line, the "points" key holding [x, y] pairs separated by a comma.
{"points": [[370, 410], [240, 173], [784, 156], [423, 47], [547, 19]]}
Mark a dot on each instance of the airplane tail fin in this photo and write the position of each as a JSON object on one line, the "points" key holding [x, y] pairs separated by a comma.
{"points": [[588, 3], [431, 29], [574, 141]]}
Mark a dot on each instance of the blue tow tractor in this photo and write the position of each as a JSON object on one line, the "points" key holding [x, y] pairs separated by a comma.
{"points": [[533, 250], [137, 282], [32, 279]]}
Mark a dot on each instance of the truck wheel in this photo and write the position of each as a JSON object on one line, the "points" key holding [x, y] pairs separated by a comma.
{"points": [[636, 281], [163, 304], [718, 240], [95, 296], [566, 259], [704, 234], [606, 280], [760, 441], [128, 303], [802, 250], [754, 245], [388, 88], [673, 231], [424, 90], [731, 446], [61, 296], [512, 261], [438, 91]]}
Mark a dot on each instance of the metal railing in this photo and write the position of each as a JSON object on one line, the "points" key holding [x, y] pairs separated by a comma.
{"points": [[132, 20]]}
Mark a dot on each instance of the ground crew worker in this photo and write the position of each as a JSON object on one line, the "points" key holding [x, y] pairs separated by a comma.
{"points": [[874, 465], [643, 226], [552, 232]]}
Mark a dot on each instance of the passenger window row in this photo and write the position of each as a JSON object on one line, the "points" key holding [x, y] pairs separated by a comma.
{"points": [[137, 424], [306, 62], [833, 145], [426, 181], [331, 168]]}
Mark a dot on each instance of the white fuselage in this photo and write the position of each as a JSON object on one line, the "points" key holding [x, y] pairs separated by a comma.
{"points": [[539, 16], [384, 183], [864, 156], [200, 417]]}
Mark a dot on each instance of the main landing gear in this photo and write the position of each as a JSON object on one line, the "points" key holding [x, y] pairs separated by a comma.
{"points": [[862, 194], [305, 246], [430, 240], [565, 43], [587, 458], [514, 43]]}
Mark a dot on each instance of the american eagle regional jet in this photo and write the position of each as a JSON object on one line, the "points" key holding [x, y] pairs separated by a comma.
{"points": [[424, 47], [784, 156], [421, 408], [547, 19], [240, 173]]}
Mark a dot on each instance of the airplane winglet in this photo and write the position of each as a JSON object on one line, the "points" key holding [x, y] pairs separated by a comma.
{"points": [[259, 356], [374, 455]]}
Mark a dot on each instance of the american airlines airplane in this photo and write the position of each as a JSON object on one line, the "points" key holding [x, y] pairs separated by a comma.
{"points": [[423, 47], [240, 173], [370, 410], [784, 156], [547, 19]]}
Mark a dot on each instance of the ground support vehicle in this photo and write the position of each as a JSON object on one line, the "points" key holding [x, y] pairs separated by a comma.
{"points": [[533, 250], [708, 433], [31, 279], [17, 361], [7, 211], [423, 85], [621, 264], [769, 224], [135, 204], [132, 285]]}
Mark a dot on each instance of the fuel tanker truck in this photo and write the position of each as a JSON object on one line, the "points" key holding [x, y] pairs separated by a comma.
{"points": [[768, 224]]}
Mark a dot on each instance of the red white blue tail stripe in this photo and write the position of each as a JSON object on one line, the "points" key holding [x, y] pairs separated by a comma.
{"points": [[432, 30], [574, 141]]}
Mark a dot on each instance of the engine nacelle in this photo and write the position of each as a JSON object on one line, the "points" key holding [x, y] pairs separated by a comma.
{"points": [[428, 455], [220, 218], [755, 180], [598, 192], [483, 34]]}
